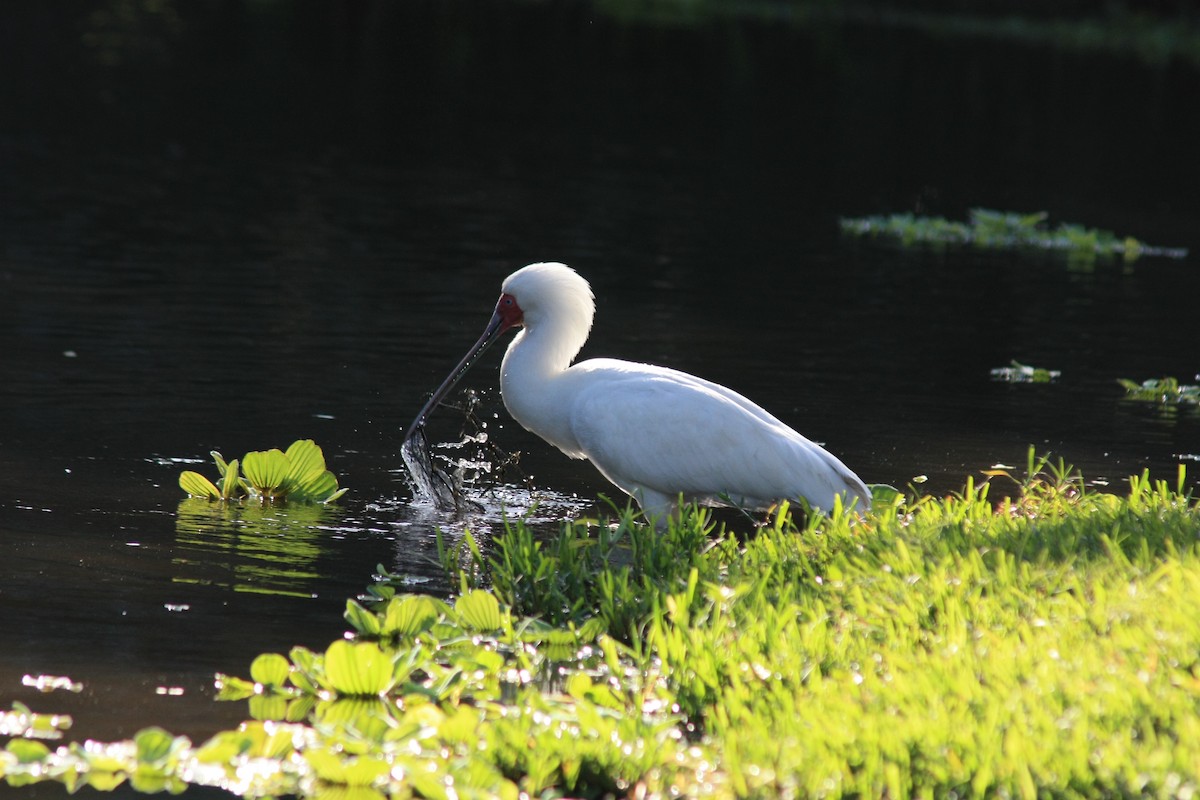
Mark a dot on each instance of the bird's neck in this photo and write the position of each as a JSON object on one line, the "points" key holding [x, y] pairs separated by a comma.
{"points": [[533, 385]]}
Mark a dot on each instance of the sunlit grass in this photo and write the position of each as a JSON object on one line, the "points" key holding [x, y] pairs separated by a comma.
{"points": [[1026, 637]]}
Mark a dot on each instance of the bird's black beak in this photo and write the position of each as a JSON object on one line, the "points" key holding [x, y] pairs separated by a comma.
{"points": [[494, 328]]}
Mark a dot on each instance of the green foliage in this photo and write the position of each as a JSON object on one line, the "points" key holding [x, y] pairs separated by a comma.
{"points": [[268, 475], [1168, 391], [20, 721], [358, 669], [270, 669], [1017, 372], [479, 610], [1153, 34], [1003, 229], [1027, 637]]}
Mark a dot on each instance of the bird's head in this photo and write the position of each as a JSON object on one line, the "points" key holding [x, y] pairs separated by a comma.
{"points": [[547, 293]]}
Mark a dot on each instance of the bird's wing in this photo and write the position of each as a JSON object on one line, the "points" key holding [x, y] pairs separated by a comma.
{"points": [[670, 432]]}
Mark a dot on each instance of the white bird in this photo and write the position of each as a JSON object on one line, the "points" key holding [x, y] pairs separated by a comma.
{"points": [[656, 433]]}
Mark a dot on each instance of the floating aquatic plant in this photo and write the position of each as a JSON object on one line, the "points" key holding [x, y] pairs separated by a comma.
{"points": [[457, 694], [1017, 372], [1003, 229], [21, 722], [51, 683], [1168, 391], [267, 475]]}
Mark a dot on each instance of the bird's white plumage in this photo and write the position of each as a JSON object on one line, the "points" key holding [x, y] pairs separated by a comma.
{"points": [[656, 433]]}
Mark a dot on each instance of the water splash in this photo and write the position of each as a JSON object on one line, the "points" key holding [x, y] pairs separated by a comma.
{"points": [[430, 484]]}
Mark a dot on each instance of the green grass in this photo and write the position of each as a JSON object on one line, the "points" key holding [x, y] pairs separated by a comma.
{"points": [[1026, 637]]}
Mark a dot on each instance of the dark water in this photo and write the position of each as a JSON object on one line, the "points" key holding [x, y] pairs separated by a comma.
{"points": [[234, 225]]}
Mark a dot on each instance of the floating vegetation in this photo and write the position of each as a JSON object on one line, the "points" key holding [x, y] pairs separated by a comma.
{"points": [[1153, 35], [1004, 229], [1039, 644], [1168, 391], [25, 724], [1017, 372], [269, 475], [51, 683]]}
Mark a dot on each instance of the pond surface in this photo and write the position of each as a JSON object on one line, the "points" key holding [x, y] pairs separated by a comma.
{"points": [[234, 226]]}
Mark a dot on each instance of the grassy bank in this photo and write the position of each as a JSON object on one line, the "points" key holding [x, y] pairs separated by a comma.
{"points": [[1047, 644]]}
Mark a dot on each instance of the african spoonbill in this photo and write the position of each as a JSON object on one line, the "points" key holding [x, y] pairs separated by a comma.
{"points": [[658, 434]]}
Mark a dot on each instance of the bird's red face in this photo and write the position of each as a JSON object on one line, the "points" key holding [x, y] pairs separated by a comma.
{"points": [[510, 312]]}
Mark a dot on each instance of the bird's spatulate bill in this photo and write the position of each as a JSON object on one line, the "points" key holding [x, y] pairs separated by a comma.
{"points": [[430, 483]]}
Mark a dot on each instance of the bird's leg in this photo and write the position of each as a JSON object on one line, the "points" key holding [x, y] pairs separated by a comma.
{"points": [[659, 508]]}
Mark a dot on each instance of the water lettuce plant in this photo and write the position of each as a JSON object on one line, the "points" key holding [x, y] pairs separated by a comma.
{"points": [[1028, 636], [1016, 372], [1003, 229], [22, 722], [1168, 391], [267, 475]]}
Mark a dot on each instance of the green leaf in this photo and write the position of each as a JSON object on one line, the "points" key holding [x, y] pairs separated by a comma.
{"points": [[304, 675], [27, 751], [355, 774], [363, 771], [885, 496], [479, 609], [368, 717], [327, 765], [306, 460], [266, 470], [270, 669], [274, 741], [105, 781], [359, 670], [196, 485], [230, 687], [462, 726], [153, 745], [230, 483], [316, 488], [223, 748], [365, 622], [409, 615]]}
